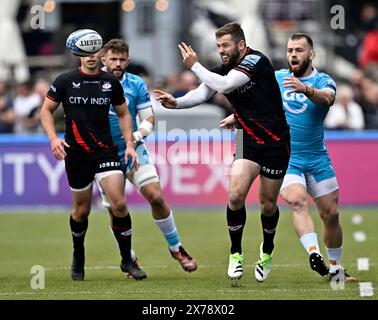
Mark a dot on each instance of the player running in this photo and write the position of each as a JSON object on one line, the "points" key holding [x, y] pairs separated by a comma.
{"points": [[88, 150], [246, 78], [307, 96], [146, 179]]}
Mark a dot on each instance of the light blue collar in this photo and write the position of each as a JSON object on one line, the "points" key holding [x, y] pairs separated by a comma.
{"points": [[313, 74]]}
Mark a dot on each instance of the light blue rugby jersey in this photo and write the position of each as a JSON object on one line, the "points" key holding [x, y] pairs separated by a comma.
{"points": [[137, 98], [303, 116]]}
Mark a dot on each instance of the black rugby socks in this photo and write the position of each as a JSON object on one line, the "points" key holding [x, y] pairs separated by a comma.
{"points": [[269, 225], [78, 230], [235, 222], [121, 227]]}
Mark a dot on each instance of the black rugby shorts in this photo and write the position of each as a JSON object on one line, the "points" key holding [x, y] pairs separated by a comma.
{"points": [[81, 166], [273, 157]]}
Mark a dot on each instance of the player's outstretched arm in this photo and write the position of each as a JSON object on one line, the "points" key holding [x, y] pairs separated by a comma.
{"points": [[47, 120], [166, 99], [191, 99], [222, 84]]}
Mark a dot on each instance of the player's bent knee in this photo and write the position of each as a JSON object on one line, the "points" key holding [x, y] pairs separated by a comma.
{"points": [[330, 217], [156, 199], [81, 212], [145, 175], [236, 199], [268, 207], [296, 203], [118, 207]]}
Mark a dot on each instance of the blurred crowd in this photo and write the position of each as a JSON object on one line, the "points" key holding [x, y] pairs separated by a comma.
{"points": [[356, 105], [355, 108], [20, 104]]}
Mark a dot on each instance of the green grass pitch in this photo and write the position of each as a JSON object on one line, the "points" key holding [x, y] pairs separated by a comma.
{"points": [[28, 239]]}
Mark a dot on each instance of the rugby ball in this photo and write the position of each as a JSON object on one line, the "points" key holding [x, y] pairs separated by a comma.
{"points": [[84, 42]]}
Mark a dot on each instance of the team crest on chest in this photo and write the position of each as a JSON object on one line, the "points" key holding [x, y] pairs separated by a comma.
{"points": [[106, 87]]}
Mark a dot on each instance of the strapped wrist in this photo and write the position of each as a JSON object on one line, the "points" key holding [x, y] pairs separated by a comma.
{"points": [[147, 126], [137, 136], [307, 92]]}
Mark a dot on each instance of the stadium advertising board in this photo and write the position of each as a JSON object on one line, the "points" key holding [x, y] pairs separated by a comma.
{"points": [[192, 173]]}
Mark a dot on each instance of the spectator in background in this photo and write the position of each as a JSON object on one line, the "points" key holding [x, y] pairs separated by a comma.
{"points": [[26, 107], [189, 80], [369, 101], [41, 87], [6, 110], [175, 85], [369, 48], [345, 113]]}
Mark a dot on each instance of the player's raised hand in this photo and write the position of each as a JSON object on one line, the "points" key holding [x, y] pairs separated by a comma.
{"points": [[130, 152], [166, 99], [228, 123], [57, 148], [294, 83], [189, 56]]}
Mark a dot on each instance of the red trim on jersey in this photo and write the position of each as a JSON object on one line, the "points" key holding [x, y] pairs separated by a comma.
{"points": [[249, 130], [270, 133], [101, 144], [90, 75], [51, 98], [242, 70], [78, 137]]}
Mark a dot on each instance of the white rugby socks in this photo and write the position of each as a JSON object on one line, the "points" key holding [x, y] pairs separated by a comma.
{"points": [[310, 242]]}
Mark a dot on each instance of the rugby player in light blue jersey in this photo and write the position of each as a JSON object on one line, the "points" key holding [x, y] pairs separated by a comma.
{"points": [[307, 96], [146, 179]]}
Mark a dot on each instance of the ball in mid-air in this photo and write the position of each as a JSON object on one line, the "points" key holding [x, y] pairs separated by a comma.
{"points": [[84, 42]]}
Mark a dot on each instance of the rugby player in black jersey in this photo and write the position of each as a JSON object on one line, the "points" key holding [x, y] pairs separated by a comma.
{"points": [[88, 151], [246, 77]]}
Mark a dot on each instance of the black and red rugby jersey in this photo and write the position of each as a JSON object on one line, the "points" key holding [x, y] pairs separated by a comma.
{"points": [[86, 100], [257, 104]]}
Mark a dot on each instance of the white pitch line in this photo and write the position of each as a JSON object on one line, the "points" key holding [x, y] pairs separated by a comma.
{"points": [[357, 219], [148, 266], [359, 236], [293, 265], [46, 292], [363, 264], [366, 289]]}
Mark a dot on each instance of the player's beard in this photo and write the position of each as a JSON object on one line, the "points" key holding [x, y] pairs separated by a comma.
{"points": [[118, 73], [233, 58], [301, 68]]}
